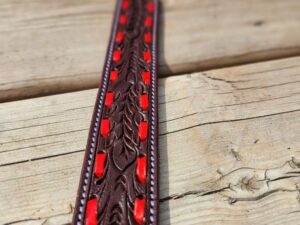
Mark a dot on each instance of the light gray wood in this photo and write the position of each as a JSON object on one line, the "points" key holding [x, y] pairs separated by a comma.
{"points": [[58, 46], [229, 146]]}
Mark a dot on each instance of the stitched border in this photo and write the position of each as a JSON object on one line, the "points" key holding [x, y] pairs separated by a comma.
{"points": [[153, 188]]}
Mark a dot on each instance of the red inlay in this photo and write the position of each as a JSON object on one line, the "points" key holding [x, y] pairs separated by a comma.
{"points": [[125, 4], [139, 209], [146, 77], [105, 127], [150, 7], [120, 37], [147, 38], [143, 130], [114, 74], [123, 19], [109, 99], [117, 55], [91, 212], [144, 102], [147, 56], [100, 164], [148, 21], [141, 169]]}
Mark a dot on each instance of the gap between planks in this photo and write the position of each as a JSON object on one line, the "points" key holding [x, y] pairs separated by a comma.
{"points": [[70, 40]]}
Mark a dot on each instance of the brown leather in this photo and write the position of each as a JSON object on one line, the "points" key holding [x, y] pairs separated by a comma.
{"points": [[117, 189]]}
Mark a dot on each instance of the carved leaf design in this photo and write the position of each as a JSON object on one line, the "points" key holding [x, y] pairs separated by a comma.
{"points": [[119, 184], [125, 151]]}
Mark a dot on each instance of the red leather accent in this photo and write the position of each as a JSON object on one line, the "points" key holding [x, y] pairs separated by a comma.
{"points": [[114, 75], [141, 169], [147, 37], [139, 209], [105, 127], [146, 77], [109, 99], [147, 56], [125, 4], [143, 130], [148, 21], [100, 164], [91, 212], [119, 36], [144, 102], [117, 55], [150, 7], [123, 19]]}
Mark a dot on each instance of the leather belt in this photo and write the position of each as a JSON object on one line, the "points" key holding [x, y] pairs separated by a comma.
{"points": [[119, 178]]}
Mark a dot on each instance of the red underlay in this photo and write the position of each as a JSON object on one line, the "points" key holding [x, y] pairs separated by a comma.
{"points": [[147, 56], [123, 19], [148, 21], [141, 169], [146, 77], [125, 4], [109, 99], [143, 130], [139, 210], [91, 212], [119, 36], [144, 103], [147, 37], [117, 55], [105, 127], [114, 75], [150, 7], [100, 164]]}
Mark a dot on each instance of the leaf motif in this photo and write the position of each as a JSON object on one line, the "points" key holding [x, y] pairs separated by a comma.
{"points": [[126, 148], [118, 188]]}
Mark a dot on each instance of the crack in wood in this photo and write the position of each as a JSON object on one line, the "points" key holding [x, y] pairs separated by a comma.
{"points": [[243, 184], [231, 121]]}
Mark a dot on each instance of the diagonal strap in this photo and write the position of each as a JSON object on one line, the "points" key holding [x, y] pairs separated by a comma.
{"points": [[119, 178]]}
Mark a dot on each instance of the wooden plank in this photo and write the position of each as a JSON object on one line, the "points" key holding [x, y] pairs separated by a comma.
{"points": [[228, 143], [58, 46]]}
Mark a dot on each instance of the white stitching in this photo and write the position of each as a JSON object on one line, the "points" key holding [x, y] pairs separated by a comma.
{"points": [[153, 118]]}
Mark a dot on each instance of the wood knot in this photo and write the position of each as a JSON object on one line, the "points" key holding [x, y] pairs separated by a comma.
{"points": [[249, 184]]}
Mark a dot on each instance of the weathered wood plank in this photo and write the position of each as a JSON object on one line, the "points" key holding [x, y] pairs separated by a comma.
{"points": [[57, 46], [228, 143]]}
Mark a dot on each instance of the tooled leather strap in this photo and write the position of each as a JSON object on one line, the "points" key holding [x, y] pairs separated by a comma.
{"points": [[119, 179]]}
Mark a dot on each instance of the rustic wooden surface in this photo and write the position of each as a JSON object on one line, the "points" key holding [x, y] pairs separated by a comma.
{"points": [[229, 145], [57, 46], [229, 137]]}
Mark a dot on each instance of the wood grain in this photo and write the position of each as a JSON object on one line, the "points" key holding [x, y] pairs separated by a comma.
{"points": [[229, 146], [50, 47]]}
